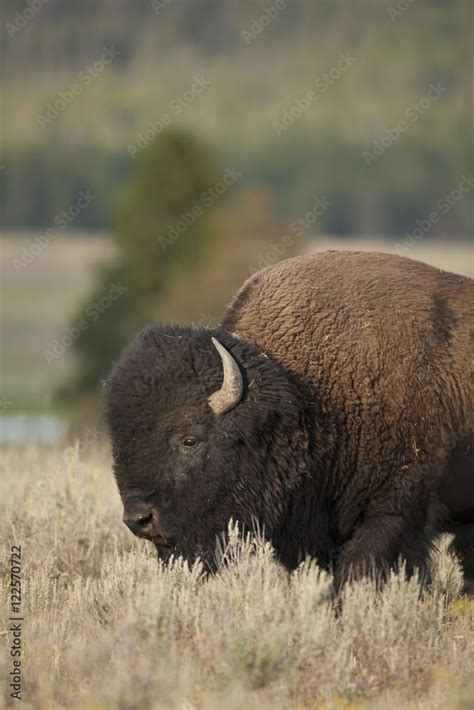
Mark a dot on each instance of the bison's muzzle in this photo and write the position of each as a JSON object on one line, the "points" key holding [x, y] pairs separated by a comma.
{"points": [[143, 520]]}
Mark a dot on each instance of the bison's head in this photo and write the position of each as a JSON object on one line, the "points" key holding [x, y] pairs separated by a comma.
{"points": [[204, 428]]}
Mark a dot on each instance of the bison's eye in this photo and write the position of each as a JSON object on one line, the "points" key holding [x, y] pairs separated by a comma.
{"points": [[187, 445], [190, 441]]}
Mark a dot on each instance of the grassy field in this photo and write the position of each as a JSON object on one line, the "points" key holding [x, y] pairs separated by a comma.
{"points": [[40, 292], [106, 627]]}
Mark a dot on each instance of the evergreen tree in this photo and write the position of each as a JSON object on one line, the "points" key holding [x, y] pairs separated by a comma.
{"points": [[164, 227]]}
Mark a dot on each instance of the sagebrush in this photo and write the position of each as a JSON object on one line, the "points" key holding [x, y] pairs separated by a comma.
{"points": [[107, 626]]}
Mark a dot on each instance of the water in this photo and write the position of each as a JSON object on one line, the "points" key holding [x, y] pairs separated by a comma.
{"points": [[42, 428]]}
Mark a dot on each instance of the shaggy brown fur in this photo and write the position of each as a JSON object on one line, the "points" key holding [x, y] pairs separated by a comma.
{"points": [[352, 442], [383, 347]]}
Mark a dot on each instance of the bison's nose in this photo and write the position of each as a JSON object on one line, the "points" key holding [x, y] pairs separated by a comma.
{"points": [[142, 521]]}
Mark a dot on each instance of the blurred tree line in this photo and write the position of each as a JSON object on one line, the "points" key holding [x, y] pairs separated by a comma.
{"points": [[385, 198], [253, 83]]}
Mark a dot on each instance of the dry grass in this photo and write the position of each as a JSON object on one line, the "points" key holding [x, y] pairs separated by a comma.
{"points": [[107, 627]]}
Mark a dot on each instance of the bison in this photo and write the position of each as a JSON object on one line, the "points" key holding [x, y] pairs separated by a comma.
{"points": [[332, 405]]}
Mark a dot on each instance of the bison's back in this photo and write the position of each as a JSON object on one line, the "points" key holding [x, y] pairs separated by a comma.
{"points": [[383, 342]]}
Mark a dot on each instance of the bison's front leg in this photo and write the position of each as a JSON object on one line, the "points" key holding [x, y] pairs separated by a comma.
{"points": [[379, 542]]}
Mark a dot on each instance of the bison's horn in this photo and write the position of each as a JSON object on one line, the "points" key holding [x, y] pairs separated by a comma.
{"points": [[232, 388]]}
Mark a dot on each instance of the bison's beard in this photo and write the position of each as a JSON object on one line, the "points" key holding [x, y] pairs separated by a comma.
{"points": [[209, 547], [164, 552], [190, 551]]}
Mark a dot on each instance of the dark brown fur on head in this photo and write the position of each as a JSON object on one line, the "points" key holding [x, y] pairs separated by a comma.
{"points": [[245, 462]]}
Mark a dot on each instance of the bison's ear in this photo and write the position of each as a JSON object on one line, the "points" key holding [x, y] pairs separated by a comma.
{"points": [[230, 394]]}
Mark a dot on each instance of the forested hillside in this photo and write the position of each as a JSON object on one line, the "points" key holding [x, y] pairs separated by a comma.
{"points": [[358, 101]]}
